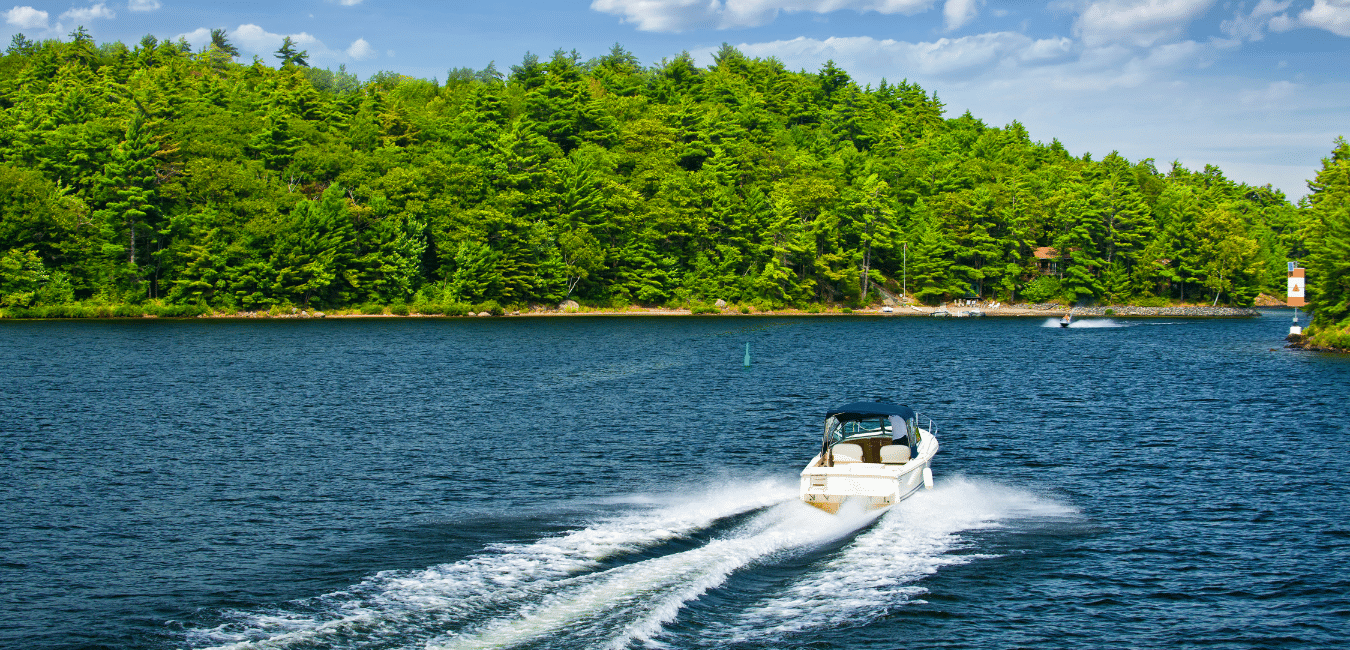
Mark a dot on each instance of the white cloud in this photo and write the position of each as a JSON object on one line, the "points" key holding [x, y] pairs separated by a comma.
{"points": [[1144, 102], [1277, 94], [951, 58], [87, 14], [680, 15], [1252, 27], [143, 5], [1137, 22], [361, 50], [254, 40], [27, 18], [959, 12], [1331, 15], [198, 37]]}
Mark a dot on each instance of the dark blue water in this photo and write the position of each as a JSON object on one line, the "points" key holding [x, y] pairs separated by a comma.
{"points": [[624, 482]]}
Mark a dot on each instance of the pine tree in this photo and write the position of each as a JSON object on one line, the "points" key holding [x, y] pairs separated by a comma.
{"points": [[1329, 268], [288, 55]]}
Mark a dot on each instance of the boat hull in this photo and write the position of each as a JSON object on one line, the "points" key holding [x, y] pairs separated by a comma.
{"points": [[876, 485]]}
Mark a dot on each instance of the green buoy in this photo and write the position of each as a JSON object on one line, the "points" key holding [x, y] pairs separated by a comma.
{"points": [[747, 354]]}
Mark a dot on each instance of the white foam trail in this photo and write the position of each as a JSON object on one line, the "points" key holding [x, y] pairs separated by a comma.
{"points": [[878, 570], [1087, 323], [632, 602], [416, 603]]}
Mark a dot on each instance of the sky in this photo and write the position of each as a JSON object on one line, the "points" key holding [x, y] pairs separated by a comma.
{"points": [[1259, 89]]}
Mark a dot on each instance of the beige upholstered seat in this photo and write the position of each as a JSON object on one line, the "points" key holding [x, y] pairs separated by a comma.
{"points": [[894, 454], [847, 452]]}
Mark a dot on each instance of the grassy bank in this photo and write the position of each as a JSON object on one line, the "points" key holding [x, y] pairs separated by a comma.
{"points": [[1329, 338], [104, 310]]}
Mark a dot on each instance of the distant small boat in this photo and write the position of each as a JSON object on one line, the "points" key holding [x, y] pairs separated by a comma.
{"points": [[941, 312], [872, 451], [972, 313]]}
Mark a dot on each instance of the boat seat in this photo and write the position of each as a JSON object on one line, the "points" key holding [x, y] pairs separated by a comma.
{"points": [[895, 454], [847, 452]]}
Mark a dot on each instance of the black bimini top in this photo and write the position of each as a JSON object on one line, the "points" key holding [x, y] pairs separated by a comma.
{"points": [[864, 410]]}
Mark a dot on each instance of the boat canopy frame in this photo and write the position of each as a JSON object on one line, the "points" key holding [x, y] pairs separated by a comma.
{"points": [[898, 416]]}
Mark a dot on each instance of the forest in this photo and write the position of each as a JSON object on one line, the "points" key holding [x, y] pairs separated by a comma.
{"points": [[156, 179]]}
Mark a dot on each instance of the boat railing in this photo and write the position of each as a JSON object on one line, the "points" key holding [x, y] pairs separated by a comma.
{"points": [[932, 427]]}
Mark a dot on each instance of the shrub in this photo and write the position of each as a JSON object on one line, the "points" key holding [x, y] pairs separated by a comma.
{"points": [[372, 309], [1042, 289], [1151, 301], [455, 309], [703, 308], [1330, 336], [813, 309], [846, 310], [176, 311], [745, 309], [763, 305], [1110, 312], [128, 311], [399, 309], [490, 307]]}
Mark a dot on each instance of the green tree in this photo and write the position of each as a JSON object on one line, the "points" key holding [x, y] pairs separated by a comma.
{"points": [[1329, 268], [220, 49], [289, 55]]}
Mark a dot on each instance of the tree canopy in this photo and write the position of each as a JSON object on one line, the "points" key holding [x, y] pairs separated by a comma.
{"points": [[153, 173]]}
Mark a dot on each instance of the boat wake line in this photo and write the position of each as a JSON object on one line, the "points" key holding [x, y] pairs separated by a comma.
{"points": [[1087, 323], [623, 581]]}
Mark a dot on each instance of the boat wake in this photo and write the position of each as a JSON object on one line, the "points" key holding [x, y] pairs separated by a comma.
{"points": [[1088, 323], [622, 581]]}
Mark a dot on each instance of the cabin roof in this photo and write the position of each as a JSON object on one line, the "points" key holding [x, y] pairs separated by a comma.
{"points": [[1046, 253], [861, 410]]}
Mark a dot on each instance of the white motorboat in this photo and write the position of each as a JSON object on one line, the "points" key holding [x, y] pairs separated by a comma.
{"points": [[874, 452]]}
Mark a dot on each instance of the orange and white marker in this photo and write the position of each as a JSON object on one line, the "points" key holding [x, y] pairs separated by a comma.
{"points": [[1296, 287]]}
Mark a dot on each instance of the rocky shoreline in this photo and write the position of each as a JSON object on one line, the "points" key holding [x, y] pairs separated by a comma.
{"points": [[1018, 310], [1301, 342], [1189, 311], [571, 309]]}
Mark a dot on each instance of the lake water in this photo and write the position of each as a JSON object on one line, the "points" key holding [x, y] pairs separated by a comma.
{"points": [[626, 483]]}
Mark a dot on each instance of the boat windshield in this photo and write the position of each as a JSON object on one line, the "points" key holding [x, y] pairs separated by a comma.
{"points": [[877, 426], [893, 423]]}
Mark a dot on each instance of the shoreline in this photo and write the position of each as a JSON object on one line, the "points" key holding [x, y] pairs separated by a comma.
{"points": [[1020, 310], [1014, 311]]}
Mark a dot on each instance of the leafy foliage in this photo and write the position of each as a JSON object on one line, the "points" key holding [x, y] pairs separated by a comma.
{"points": [[1329, 236], [151, 175]]}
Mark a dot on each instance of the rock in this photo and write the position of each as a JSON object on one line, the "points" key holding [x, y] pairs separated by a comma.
{"points": [[483, 313], [889, 302], [569, 305], [720, 304], [318, 314]]}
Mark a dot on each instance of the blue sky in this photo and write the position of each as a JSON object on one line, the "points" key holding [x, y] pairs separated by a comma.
{"points": [[1259, 88]]}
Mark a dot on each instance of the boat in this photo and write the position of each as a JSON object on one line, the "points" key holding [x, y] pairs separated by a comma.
{"points": [[1068, 318], [940, 312], [873, 452]]}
